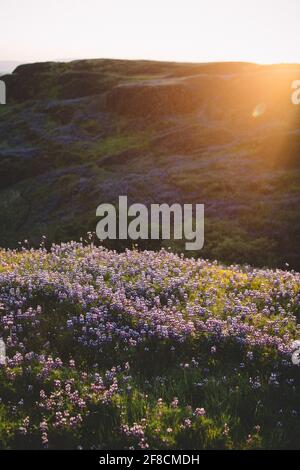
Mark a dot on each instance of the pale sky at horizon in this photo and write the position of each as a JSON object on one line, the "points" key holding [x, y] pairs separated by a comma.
{"points": [[263, 31]]}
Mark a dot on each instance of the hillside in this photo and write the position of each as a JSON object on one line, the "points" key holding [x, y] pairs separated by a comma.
{"points": [[76, 134], [146, 349]]}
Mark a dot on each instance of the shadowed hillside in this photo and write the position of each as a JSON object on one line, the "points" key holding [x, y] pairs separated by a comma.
{"points": [[76, 134]]}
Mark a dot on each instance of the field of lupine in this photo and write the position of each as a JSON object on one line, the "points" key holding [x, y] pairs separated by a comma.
{"points": [[140, 350]]}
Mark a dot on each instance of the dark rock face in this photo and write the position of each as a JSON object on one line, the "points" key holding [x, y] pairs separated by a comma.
{"points": [[76, 134], [154, 99]]}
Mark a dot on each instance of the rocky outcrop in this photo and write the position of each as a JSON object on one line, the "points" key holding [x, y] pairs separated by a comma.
{"points": [[73, 135]]}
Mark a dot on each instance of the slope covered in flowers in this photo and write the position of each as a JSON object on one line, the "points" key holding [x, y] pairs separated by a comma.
{"points": [[145, 349]]}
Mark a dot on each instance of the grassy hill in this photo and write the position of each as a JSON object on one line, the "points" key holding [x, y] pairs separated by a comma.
{"points": [[74, 135], [111, 350]]}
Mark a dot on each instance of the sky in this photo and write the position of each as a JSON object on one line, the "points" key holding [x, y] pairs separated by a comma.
{"points": [[263, 31]]}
